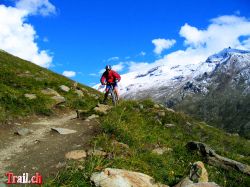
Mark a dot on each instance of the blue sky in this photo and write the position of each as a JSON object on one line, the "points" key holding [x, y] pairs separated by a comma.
{"points": [[83, 36]]}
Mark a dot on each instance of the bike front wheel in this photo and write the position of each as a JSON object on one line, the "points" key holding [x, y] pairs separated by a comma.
{"points": [[114, 97]]}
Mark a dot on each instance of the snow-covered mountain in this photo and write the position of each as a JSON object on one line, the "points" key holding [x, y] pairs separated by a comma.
{"points": [[217, 90], [164, 81]]}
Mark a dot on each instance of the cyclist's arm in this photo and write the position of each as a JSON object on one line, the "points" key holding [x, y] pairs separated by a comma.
{"points": [[117, 76], [102, 80]]}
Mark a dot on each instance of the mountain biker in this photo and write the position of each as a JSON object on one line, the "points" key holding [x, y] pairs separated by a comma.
{"points": [[110, 77]]}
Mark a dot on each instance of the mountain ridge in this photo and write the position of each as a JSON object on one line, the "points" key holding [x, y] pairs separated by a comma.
{"points": [[221, 76]]}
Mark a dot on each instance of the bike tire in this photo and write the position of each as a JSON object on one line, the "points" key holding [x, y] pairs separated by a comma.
{"points": [[113, 96]]}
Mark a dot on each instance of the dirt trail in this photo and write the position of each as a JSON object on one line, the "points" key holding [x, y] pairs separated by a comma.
{"points": [[43, 150]]}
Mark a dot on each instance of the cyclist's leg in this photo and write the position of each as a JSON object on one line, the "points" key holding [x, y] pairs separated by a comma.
{"points": [[116, 91], [106, 94]]}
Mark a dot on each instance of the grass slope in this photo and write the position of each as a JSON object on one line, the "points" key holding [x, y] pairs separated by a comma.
{"points": [[143, 130], [19, 77]]}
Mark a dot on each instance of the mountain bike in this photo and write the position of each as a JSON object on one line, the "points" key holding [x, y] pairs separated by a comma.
{"points": [[113, 94]]}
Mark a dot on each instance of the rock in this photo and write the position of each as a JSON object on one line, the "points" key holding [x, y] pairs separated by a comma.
{"points": [[60, 165], [82, 114], [170, 110], [93, 116], [84, 89], [80, 167], [161, 113], [198, 172], [156, 106], [204, 184], [34, 168], [120, 144], [102, 109], [96, 152], [76, 154], [63, 130], [186, 182], [141, 106], [58, 99], [169, 125], [75, 85], [123, 178], [160, 151], [64, 88], [22, 132], [30, 96], [79, 93], [49, 91], [217, 160]]}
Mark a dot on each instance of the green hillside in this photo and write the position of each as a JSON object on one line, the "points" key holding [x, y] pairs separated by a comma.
{"points": [[19, 77], [141, 125]]}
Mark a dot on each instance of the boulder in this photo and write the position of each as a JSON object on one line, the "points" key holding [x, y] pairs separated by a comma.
{"points": [[156, 106], [30, 96], [51, 92], [123, 178], [79, 93], [198, 177], [198, 172], [102, 109], [170, 110], [96, 152], [93, 116], [186, 182], [58, 99], [76, 154], [161, 113], [217, 160], [22, 132], [64, 88], [160, 151], [63, 130]]}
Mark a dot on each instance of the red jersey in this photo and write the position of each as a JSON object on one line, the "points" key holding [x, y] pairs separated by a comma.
{"points": [[110, 76]]}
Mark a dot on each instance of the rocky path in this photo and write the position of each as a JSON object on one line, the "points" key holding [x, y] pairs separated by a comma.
{"points": [[43, 150]]}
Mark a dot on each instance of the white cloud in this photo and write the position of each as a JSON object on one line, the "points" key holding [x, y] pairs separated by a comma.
{"points": [[162, 44], [19, 37], [139, 66], [115, 58], [118, 67], [93, 74], [222, 32], [35, 7], [101, 71], [142, 53], [69, 73]]}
